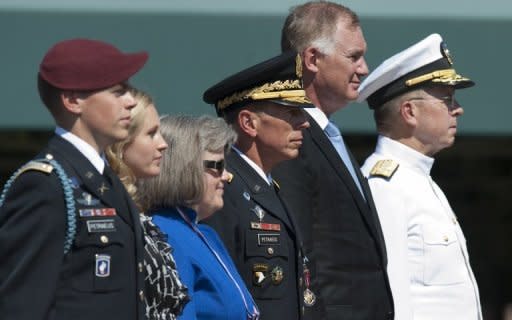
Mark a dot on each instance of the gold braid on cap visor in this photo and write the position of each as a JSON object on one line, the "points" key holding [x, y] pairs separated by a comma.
{"points": [[288, 90], [446, 76]]}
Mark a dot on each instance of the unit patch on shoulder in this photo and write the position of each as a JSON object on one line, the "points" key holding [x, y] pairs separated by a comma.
{"points": [[36, 165], [384, 168]]}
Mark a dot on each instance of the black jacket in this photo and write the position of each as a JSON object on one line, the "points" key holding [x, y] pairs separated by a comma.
{"points": [[102, 275], [341, 231]]}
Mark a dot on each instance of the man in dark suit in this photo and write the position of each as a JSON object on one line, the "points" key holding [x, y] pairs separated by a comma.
{"points": [[324, 187], [264, 105], [71, 240]]}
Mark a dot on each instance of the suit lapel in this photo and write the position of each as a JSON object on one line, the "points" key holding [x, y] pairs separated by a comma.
{"points": [[366, 208], [263, 194]]}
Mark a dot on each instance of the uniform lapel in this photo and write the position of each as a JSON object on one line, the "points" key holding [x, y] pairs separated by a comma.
{"points": [[260, 192], [92, 181]]}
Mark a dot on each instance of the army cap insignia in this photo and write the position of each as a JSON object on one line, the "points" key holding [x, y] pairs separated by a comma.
{"points": [[384, 168], [446, 52]]}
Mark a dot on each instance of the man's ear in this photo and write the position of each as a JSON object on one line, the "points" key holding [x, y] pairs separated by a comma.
{"points": [[71, 101], [409, 112], [310, 58], [248, 121]]}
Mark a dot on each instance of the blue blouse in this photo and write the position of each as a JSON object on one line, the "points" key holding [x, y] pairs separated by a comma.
{"points": [[214, 295]]}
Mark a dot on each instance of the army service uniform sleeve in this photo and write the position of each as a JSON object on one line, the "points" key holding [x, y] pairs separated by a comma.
{"points": [[32, 228]]}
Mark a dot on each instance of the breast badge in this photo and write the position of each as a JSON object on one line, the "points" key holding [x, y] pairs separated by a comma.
{"points": [[277, 275], [87, 199], [259, 212], [259, 273]]}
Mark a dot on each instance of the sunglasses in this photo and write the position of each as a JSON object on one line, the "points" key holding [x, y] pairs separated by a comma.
{"points": [[220, 165]]}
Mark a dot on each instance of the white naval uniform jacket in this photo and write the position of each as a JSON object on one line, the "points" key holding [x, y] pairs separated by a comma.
{"points": [[428, 263]]}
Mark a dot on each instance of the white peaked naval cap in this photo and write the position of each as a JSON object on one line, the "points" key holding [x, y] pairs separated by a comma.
{"points": [[425, 63]]}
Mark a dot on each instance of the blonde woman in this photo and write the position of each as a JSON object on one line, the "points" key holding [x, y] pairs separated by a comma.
{"points": [[139, 157]]}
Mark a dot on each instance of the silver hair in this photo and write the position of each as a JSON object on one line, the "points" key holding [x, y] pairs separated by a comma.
{"points": [[180, 182], [315, 23]]}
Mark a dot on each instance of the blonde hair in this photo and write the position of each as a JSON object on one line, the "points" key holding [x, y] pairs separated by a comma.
{"points": [[180, 182], [115, 152]]}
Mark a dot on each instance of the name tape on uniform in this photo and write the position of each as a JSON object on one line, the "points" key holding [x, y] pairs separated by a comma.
{"points": [[105, 225], [268, 239]]}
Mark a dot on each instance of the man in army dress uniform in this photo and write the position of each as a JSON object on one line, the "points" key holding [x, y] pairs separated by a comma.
{"points": [[71, 243], [264, 105], [413, 98]]}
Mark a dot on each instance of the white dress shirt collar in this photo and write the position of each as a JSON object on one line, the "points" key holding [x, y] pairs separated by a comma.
{"points": [[253, 165], [404, 154], [86, 149], [319, 117]]}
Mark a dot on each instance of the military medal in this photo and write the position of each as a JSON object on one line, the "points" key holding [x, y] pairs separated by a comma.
{"points": [[309, 296]]}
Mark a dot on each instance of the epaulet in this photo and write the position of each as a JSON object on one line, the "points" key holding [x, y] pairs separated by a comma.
{"points": [[384, 168], [35, 165]]}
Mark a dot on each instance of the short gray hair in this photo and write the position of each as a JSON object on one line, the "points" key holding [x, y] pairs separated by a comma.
{"points": [[315, 23], [386, 115], [180, 182]]}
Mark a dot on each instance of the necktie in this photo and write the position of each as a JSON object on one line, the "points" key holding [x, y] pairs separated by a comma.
{"points": [[334, 135]]}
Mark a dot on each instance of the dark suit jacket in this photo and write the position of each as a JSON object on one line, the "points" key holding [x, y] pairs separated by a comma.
{"points": [[341, 231], [37, 281], [260, 254]]}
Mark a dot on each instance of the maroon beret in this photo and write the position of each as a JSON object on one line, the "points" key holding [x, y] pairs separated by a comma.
{"points": [[84, 64]]}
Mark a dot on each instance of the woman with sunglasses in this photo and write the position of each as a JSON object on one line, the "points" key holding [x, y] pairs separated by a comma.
{"points": [[188, 189]]}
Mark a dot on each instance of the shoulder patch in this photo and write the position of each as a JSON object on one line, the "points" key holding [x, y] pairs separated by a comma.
{"points": [[384, 168], [35, 165]]}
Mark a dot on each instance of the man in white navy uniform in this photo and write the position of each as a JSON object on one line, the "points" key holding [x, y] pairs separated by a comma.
{"points": [[412, 95]]}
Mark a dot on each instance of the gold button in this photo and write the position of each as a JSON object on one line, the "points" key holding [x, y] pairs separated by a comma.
{"points": [[454, 220], [141, 295], [104, 239], [141, 268], [445, 238], [49, 156], [270, 251]]}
